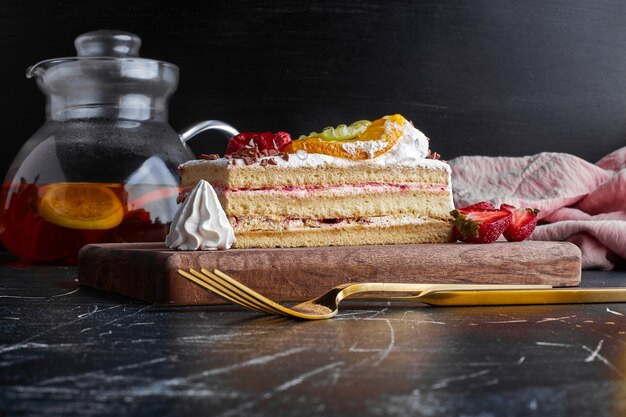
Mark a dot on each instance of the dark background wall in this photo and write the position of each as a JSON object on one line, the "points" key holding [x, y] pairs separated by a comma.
{"points": [[478, 77]]}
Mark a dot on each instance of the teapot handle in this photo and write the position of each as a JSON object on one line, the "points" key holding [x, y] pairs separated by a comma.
{"points": [[196, 128]]}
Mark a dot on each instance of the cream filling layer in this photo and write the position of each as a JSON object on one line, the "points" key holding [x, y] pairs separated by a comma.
{"points": [[261, 223]]}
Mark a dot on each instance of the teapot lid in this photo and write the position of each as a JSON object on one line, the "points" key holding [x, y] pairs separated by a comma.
{"points": [[105, 57], [111, 43]]}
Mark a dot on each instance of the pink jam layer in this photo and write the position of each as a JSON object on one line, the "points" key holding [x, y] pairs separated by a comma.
{"points": [[303, 191]]}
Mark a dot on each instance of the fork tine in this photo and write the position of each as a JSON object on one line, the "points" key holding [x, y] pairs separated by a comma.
{"points": [[231, 295], [208, 286], [247, 290], [217, 291], [234, 286]]}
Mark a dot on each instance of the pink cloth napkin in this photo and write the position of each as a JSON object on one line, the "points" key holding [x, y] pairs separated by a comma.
{"points": [[579, 202]]}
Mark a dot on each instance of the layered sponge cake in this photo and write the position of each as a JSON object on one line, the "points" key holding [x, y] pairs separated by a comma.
{"points": [[367, 183]]}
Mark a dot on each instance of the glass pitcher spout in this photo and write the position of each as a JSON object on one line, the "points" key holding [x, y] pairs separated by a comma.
{"points": [[36, 70]]}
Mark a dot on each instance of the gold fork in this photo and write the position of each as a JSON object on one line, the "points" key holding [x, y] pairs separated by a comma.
{"points": [[327, 305]]}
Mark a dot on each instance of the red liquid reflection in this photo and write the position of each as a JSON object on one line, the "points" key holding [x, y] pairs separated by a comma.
{"points": [[148, 210]]}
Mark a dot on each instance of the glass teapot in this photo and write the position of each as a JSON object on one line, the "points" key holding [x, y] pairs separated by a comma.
{"points": [[103, 167]]}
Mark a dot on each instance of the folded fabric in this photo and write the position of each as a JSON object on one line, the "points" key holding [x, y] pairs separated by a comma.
{"points": [[579, 202]]}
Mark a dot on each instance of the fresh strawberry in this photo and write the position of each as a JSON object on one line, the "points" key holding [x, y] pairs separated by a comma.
{"points": [[239, 141], [481, 205], [479, 226], [262, 140], [281, 139], [523, 222]]}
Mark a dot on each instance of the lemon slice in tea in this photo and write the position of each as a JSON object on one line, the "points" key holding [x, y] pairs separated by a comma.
{"points": [[81, 206]]}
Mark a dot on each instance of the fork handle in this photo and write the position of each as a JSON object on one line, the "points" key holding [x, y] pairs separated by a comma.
{"points": [[392, 287], [418, 291], [523, 297]]}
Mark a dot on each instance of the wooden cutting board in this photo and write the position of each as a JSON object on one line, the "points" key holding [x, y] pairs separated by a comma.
{"points": [[148, 271]]}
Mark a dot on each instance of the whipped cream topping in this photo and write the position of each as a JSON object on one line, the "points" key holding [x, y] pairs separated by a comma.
{"points": [[413, 144], [200, 222], [411, 149], [371, 147]]}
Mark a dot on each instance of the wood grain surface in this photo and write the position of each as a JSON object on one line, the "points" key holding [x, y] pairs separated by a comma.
{"points": [[149, 271]]}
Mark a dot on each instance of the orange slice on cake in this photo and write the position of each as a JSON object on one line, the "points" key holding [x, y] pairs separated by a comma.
{"points": [[82, 206], [361, 140]]}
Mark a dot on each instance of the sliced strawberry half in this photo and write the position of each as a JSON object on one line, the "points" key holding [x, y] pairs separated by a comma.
{"points": [[522, 225], [479, 226], [281, 139], [239, 141], [481, 205], [262, 140]]}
